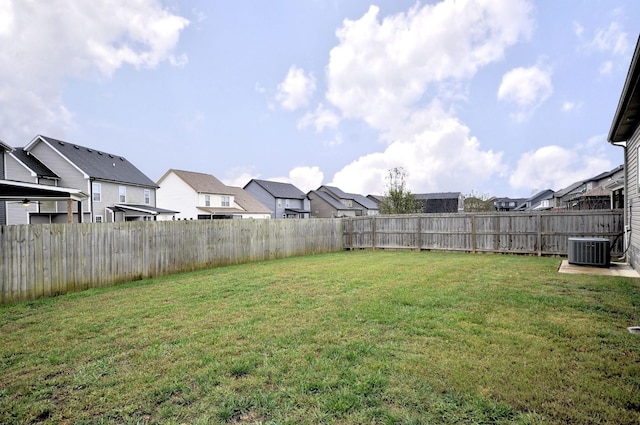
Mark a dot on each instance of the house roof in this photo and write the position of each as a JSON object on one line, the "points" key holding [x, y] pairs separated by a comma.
{"points": [[441, 195], [97, 164], [33, 163], [248, 202], [143, 209], [336, 191], [331, 200], [279, 190], [535, 200], [340, 194], [221, 210], [13, 190], [364, 201], [576, 187], [200, 182], [5, 147], [627, 116]]}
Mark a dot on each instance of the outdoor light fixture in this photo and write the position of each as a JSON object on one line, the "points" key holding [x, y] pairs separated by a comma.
{"points": [[25, 203]]}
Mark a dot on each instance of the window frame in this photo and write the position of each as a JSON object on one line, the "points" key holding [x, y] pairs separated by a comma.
{"points": [[147, 197], [96, 189], [122, 194]]}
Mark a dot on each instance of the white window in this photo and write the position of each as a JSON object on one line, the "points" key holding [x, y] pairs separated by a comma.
{"points": [[147, 197], [97, 192], [286, 203], [226, 201], [279, 203], [207, 200], [98, 219], [123, 194]]}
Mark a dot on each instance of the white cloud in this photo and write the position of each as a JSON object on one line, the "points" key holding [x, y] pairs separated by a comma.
{"points": [[568, 106], [321, 118], [296, 89], [70, 38], [303, 177], [527, 88], [555, 167], [401, 74], [443, 157], [381, 69], [605, 67], [611, 39]]}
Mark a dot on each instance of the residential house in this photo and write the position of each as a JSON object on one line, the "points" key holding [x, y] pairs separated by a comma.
{"points": [[323, 205], [625, 133], [507, 204], [539, 202], [118, 190], [362, 205], [444, 202], [284, 200], [603, 191], [201, 196]]}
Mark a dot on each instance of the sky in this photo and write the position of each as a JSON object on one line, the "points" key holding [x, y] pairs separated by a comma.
{"points": [[484, 97]]}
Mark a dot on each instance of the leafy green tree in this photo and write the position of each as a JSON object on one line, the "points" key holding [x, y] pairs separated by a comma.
{"points": [[475, 202], [397, 198]]}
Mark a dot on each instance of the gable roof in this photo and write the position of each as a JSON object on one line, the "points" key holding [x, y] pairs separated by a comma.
{"points": [[364, 201], [97, 164], [331, 200], [33, 163], [248, 202], [5, 147], [340, 194], [627, 116], [279, 190], [200, 182]]}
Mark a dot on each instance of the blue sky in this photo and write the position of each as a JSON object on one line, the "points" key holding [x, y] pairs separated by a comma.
{"points": [[496, 97]]}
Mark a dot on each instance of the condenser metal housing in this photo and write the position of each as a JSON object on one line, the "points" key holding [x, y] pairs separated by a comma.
{"points": [[589, 252]]}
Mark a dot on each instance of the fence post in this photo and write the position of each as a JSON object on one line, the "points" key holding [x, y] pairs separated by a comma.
{"points": [[539, 234], [473, 233], [373, 233]]}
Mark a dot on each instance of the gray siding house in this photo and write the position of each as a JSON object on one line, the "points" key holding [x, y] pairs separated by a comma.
{"points": [[625, 133], [117, 190], [323, 205], [284, 200], [364, 205]]}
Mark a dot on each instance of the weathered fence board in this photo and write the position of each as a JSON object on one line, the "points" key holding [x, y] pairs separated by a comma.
{"points": [[538, 233], [43, 260]]}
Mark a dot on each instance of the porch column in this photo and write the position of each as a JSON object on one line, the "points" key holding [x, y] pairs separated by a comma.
{"points": [[69, 211]]}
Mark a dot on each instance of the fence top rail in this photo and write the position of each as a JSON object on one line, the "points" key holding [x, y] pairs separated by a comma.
{"points": [[563, 213]]}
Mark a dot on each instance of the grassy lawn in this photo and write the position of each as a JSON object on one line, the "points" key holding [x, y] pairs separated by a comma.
{"points": [[350, 338]]}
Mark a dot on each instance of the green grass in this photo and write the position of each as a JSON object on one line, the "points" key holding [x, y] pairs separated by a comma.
{"points": [[382, 337]]}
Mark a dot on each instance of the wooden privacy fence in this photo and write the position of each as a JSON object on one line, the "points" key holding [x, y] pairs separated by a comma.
{"points": [[540, 233], [51, 259]]}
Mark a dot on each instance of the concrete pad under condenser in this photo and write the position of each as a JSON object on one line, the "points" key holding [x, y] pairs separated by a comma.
{"points": [[616, 269]]}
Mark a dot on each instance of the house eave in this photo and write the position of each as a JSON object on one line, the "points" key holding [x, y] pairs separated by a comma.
{"points": [[627, 116]]}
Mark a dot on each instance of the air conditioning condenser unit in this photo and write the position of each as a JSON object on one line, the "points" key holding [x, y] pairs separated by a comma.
{"points": [[589, 252]]}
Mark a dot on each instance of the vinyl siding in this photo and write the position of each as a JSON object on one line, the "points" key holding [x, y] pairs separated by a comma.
{"points": [[263, 197], [176, 195], [69, 175], [16, 213], [3, 205], [633, 199]]}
